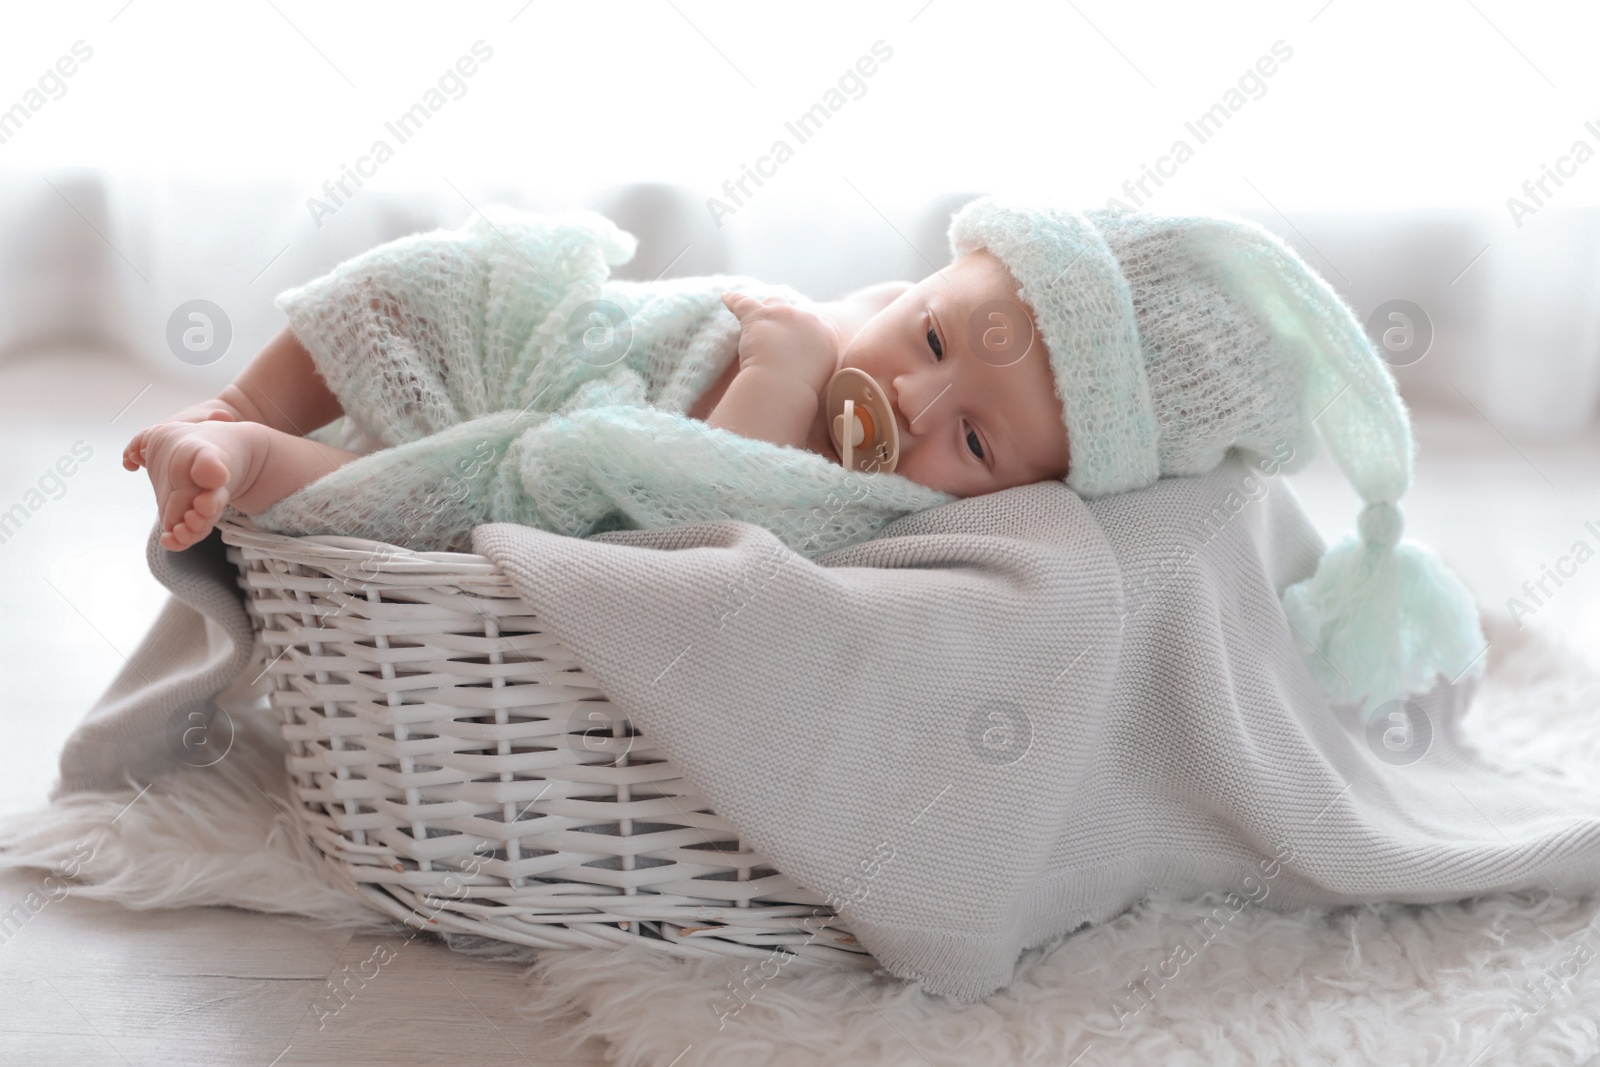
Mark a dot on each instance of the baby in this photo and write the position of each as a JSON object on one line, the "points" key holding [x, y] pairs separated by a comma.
{"points": [[958, 358], [1164, 343]]}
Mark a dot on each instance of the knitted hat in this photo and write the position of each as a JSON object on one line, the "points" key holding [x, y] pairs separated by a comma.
{"points": [[1176, 338]]}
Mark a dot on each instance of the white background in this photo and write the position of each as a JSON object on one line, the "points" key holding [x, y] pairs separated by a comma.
{"points": [[1382, 104]]}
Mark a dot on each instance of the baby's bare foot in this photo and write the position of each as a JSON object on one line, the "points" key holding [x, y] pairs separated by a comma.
{"points": [[197, 468], [133, 456]]}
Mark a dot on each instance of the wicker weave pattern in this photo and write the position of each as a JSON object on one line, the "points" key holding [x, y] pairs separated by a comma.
{"points": [[461, 767]]}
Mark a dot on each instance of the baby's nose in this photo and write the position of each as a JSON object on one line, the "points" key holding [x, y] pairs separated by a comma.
{"points": [[909, 408]]}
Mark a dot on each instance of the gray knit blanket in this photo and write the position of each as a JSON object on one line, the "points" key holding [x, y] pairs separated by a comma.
{"points": [[996, 721]]}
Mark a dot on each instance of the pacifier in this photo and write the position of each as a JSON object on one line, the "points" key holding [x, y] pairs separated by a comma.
{"points": [[861, 423]]}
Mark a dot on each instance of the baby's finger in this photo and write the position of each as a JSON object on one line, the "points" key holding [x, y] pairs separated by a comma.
{"points": [[738, 303]]}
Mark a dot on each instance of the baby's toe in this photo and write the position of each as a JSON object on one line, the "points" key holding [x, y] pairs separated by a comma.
{"points": [[209, 470], [209, 502], [172, 509], [195, 527]]}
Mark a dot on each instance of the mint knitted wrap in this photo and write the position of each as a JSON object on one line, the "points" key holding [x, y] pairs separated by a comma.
{"points": [[497, 373]]}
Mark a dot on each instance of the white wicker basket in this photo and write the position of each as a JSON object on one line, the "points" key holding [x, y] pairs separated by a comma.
{"points": [[458, 763]]}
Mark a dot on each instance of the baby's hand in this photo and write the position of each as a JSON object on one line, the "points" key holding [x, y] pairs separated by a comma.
{"points": [[776, 333]]}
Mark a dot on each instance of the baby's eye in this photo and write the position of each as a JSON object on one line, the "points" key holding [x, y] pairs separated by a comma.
{"points": [[933, 343], [973, 444]]}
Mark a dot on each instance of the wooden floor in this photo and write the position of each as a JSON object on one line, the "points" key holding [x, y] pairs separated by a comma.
{"points": [[88, 983], [83, 982]]}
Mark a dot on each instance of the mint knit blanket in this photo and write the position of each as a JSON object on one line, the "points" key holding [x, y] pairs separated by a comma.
{"points": [[497, 373]]}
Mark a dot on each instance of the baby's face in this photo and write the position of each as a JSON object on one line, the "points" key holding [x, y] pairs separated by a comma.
{"points": [[969, 380]]}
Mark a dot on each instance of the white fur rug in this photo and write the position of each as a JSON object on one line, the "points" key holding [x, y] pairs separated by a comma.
{"points": [[1496, 980]]}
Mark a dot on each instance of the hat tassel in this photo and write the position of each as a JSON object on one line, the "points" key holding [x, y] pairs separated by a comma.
{"points": [[1381, 617]]}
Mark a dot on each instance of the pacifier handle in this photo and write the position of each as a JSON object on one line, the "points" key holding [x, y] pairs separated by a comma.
{"points": [[860, 422], [849, 419]]}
